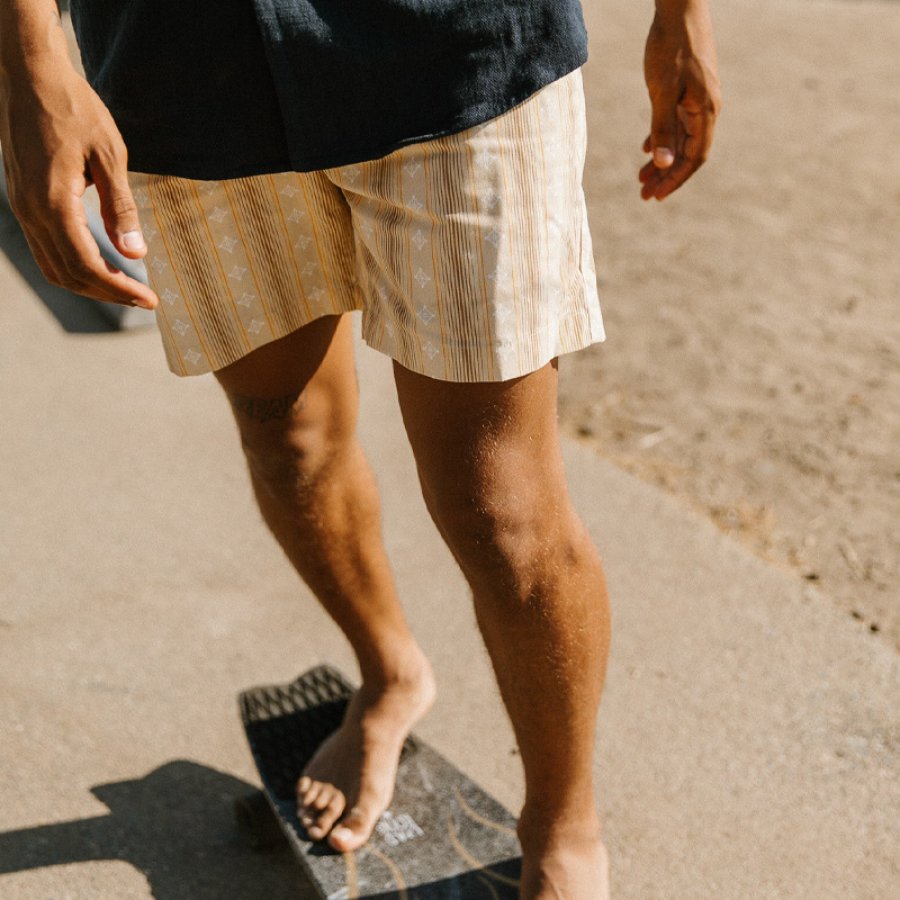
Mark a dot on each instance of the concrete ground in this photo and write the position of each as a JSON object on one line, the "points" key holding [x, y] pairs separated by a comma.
{"points": [[747, 742], [747, 745]]}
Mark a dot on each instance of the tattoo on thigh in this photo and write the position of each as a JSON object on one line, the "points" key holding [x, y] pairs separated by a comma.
{"points": [[265, 409]]}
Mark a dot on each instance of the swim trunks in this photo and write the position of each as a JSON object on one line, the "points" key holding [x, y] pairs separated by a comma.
{"points": [[469, 255]]}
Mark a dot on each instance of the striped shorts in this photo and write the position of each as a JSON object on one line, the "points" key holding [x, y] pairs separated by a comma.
{"points": [[469, 255]]}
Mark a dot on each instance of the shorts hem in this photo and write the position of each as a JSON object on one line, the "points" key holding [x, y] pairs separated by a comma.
{"points": [[183, 367], [499, 371]]}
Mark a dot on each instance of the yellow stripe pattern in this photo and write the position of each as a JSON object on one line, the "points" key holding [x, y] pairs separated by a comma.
{"points": [[469, 255]]}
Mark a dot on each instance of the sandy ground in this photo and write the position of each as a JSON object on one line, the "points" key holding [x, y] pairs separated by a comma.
{"points": [[752, 365]]}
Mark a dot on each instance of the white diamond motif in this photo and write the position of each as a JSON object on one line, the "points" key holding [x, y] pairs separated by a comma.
{"points": [[228, 244], [193, 357], [422, 277], [246, 300], [255, 326], [158, 264], [419, 239], [504, 313], [237, 273], [430, 350], [426, 315], [415, 203], [218, 214], [296, 214], [289, 190], [181, 327], [303, 242], [169, 296]]}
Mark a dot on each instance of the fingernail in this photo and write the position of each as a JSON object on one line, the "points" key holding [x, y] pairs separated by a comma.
{"points": [[342, 834], [133, 240], [663, 157]]}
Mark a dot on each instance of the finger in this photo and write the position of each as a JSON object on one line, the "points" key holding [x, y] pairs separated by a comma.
{"points": [[664, 130], [698, 126], [109, 172], [648, 190], [697, 140], [646, 172], [674, 178], [77, 259]]}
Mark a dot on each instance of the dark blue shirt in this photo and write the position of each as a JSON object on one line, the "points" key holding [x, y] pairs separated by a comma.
{"points": [[242, 87]]}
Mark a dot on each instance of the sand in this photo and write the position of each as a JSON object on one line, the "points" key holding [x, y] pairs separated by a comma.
{"points": [[752, 366]]}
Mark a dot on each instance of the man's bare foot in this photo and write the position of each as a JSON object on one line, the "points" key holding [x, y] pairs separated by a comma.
{"points": [[567, 862], [349, 782]]}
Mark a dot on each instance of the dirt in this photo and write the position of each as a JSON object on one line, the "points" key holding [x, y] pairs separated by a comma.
{"points": [[752, 366]]}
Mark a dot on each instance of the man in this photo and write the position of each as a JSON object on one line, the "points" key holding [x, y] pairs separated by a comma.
{"points": [[293, 160]]}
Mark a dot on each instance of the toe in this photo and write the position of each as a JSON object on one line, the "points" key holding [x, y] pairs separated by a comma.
{"points": [[316, 799], [307, 789], [315, 814], [328, 816], [354, 829]]}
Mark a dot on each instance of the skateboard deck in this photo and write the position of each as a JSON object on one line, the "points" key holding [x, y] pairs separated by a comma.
{"points": [[443, 838]]}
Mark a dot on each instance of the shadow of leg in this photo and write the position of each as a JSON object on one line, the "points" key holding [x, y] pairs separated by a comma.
{"points": [[175, 825]]}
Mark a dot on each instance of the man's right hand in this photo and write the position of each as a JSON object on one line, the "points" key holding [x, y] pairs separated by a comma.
{"points": [[58, 138]]}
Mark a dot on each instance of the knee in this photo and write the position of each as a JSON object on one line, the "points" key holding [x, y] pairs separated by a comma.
{"points": [[293, 453], [511, 537]]}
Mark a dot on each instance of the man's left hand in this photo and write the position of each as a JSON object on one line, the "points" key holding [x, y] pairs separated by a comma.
{"points": [[681, 72]]}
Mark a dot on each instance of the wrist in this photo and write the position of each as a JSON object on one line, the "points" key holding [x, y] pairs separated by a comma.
{"points": [[676, 11]]}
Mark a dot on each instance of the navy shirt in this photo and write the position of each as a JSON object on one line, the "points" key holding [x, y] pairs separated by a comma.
{"points": [[229, 88]]}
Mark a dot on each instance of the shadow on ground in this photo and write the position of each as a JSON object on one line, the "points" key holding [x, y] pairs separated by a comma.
{"points": [[175, 825], [75, 314]]}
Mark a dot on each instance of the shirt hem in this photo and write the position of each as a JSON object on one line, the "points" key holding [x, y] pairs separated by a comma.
{"points": [[472, 117]]}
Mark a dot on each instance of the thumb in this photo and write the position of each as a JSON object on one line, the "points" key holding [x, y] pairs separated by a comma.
{"points": [[663, 132], [118, 209]]}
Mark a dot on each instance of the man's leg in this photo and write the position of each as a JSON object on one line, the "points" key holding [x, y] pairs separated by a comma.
{"points": [[295, 402], [491, 470]]}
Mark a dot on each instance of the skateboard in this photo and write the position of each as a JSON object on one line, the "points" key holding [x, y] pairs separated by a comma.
{"points": [[443, 838]]}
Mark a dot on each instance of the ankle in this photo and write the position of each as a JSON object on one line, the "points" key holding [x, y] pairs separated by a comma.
{"points": [[545, 825], [403, 673], [399, 662]]}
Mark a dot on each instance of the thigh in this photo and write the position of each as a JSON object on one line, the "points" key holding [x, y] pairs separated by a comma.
{"points": [[485, 444], [302, 380]]}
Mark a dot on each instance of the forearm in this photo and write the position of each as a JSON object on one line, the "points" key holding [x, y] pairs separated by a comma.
{"points": [[32, 40]]}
